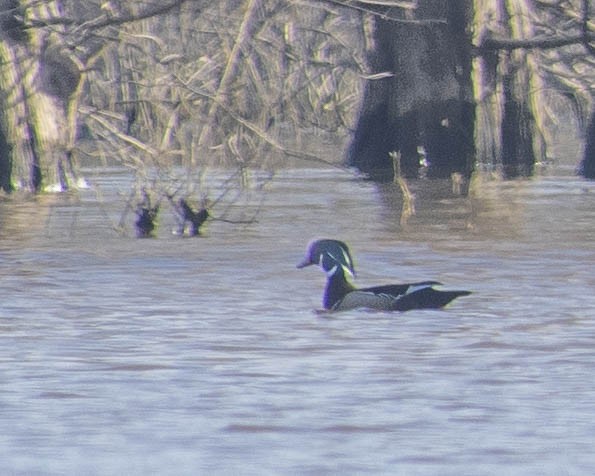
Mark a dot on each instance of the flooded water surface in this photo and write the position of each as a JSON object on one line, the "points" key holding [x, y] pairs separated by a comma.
{"points": [[206, 356]]}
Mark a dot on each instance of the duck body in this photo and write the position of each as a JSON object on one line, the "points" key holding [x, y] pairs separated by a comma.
{"points": [[334, 258]]}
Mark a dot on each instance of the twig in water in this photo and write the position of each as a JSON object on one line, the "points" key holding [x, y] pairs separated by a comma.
{"points": [[408, 198]]}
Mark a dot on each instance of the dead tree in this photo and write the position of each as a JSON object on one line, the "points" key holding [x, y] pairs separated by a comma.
{"points": [[526, 50], [418, 100], [39, 79]]}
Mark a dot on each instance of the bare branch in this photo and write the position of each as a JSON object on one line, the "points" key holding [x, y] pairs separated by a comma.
{"points": [[259, 132], [108, 20], [542, 43]]}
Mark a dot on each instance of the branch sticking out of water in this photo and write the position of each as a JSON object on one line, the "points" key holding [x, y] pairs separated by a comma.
{"points": [[146, 221], [188, 215], [408, 198]]}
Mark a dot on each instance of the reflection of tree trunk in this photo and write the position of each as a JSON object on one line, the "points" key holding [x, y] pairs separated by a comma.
{"points": [[408, 198], [426, 102]]}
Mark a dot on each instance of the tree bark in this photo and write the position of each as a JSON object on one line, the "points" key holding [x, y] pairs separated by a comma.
{"points": [[37, 79], [508, 89], [587, 168], [423, 106]]}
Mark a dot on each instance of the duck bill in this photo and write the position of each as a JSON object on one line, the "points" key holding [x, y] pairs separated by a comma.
{"points": [[304, 263]]}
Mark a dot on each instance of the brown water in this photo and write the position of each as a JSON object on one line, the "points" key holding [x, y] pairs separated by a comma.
{"points": [[205, 356]]}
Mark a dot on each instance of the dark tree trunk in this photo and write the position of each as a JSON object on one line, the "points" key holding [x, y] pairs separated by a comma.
{"points": [[510, 92], [518, 122], [5, 164], [587, 168], [518, 156], [424, 110]]}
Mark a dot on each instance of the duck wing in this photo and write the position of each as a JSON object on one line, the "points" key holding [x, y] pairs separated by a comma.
{"points": [[397, 290], [364, 299], [381, 298], [425, 298]]}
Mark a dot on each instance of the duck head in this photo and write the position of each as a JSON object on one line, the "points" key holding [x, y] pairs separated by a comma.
{"points": [[330, 255]]}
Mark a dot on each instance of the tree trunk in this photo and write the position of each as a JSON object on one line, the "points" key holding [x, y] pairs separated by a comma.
{"points": [[508, 90], [18, 160], [37, 80], [518, 156], [587, 168], [423, 106]]}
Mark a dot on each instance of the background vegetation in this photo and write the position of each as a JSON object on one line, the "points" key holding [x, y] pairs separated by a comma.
{"points": [[168, 89]]}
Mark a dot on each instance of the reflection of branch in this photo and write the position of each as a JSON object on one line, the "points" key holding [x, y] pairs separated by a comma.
{"points": [[226, 190], [121, 224], [236, 222], [408, 198]]}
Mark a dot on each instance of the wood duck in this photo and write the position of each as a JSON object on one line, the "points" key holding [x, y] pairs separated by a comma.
{"points": [[335, 260]]}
